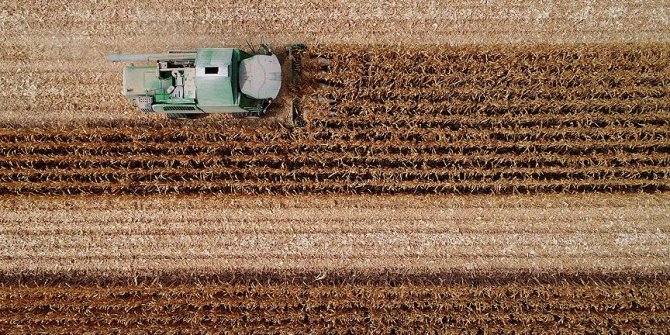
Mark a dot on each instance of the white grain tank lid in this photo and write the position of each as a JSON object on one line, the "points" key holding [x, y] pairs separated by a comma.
{"points": [[260, 76]]}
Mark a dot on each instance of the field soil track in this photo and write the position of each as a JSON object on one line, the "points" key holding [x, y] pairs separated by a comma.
{"points": [[266, 302], [455, 120], [128, 236]]}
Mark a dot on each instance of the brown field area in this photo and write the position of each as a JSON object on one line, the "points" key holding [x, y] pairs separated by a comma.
{"points": [[462, 120], [550, 263], [253, 303], [461, 166]]}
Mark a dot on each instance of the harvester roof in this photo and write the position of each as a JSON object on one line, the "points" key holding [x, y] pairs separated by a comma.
{"points": [[215, 78]]}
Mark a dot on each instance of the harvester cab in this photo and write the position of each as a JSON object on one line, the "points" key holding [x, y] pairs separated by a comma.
{"points": [[187, 84]]}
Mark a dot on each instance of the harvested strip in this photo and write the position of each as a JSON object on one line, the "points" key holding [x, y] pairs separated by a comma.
{"points": [[581, 232]]}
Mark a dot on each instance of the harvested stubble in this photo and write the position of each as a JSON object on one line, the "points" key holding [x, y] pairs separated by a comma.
{"points": [[119, 235], [266, 302], [388, 120]]}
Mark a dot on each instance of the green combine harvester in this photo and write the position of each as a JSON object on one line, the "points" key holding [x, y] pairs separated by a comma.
{"points": [[188, 84]]}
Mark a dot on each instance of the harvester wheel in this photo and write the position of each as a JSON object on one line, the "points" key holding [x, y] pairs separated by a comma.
{"points": [[241, 114], [183, 116], [247, 115]]}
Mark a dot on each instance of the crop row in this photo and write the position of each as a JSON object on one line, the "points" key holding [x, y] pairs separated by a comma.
{"points": [[556, 59], [512, 109], [623, 184], [331, 160], [448, 131]]}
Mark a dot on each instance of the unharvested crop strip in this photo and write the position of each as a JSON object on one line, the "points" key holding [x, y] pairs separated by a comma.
{"points": [[251, 302], [455, 120]]}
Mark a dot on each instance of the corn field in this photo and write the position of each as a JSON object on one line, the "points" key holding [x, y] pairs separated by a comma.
{"points": [[460, 167], [380, 120], [245, 305]]}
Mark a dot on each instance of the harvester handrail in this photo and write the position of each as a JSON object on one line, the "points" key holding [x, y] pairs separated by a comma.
{"points": [[149, 57]]}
